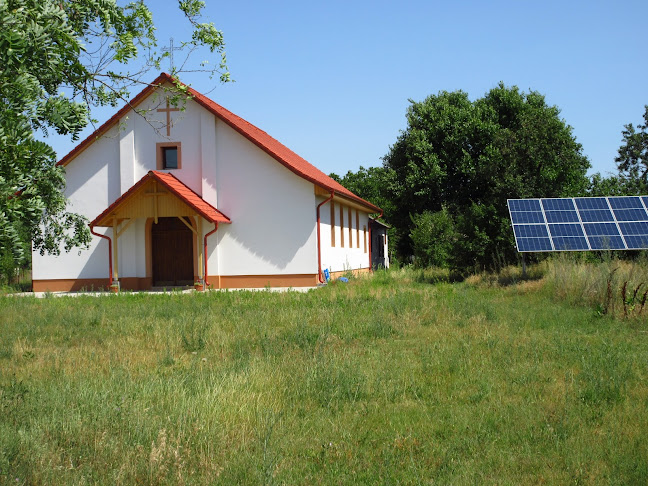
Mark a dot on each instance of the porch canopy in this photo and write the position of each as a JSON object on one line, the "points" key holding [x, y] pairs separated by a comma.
{"points": [[158, 195]]}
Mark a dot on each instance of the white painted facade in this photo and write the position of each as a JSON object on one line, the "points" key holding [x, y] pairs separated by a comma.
{"points": [[345, 250], [273, 228]]}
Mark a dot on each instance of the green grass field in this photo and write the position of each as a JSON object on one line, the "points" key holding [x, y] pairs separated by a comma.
{"points": [[393, 379]]}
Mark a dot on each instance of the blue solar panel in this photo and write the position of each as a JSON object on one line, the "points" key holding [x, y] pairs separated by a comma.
{"points": [[631, 214], [566, 230], [583, 203], [524, 205], [601, 229], [596, 215], [530, 231], [527, 217], [583, 223], [638, 228], [534, 244], [606, 242], [557, 204], [604, 236], [637, 242], [562, 216], [625, 202], [567, 243]]}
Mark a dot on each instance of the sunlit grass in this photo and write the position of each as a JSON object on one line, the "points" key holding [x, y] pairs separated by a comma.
{"points": [[402, 378]]}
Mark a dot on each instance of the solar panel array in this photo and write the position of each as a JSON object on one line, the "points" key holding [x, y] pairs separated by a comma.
{"points": [[580, 223]]}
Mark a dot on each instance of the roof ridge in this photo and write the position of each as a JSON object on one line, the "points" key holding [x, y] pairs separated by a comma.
{"points": [[289, 159]]}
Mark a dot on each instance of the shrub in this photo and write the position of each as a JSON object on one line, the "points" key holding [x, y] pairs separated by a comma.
{"points": [[433, 237]]}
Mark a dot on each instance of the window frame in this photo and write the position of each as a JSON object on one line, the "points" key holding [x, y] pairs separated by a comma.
{"points": [[160, 152]]}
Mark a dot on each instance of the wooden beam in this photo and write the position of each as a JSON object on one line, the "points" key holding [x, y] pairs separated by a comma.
{"points": [[320, 191], [201, 248], [125, 227], [155, 194], [188, 225]]}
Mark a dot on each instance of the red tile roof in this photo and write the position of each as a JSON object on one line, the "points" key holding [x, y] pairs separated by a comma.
{"points": [[189, 197], [272, 147]]}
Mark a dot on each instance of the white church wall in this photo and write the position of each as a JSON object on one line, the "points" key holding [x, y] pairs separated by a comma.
{"points": [[186, 129], [340, 257], [273, 228], [208, 158], [273, 210], [92, 184]]}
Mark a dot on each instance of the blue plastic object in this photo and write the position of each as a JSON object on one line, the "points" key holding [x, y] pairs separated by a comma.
{"points": [[343, 279], [327, 275]]}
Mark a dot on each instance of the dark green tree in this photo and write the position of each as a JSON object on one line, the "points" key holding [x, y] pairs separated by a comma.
{"points": [[433, 238], [612, 185], [469, 157], [58, 59], [632, 161], [370, 184]]}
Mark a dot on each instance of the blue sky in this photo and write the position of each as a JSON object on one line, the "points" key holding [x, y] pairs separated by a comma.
{"points": [[332, 80]]}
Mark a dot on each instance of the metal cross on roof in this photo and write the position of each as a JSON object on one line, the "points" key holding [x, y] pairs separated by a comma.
{"points": [[170, 50]]}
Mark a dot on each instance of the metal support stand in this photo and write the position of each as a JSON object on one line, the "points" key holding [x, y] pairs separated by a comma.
{"points": [[523, 266]]}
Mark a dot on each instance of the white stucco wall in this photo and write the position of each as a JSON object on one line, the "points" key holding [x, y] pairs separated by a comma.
{"points": [[93, 182], [273, 228], [186, 129], [348, 257]]}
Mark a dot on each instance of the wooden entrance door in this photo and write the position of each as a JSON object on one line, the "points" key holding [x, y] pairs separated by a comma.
{"points": [[172, 247]]}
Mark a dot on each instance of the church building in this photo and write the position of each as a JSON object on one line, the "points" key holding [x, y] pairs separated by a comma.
{"points": [[195, 195]]}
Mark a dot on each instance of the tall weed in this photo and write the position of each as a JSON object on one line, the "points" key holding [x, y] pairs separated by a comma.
{"points": [[611, 286]]}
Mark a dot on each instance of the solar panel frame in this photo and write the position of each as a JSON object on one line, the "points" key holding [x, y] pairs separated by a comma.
{"points": [[580, 224]]}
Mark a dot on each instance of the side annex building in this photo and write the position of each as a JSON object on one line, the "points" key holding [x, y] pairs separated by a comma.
{"points": [[201, 195]]}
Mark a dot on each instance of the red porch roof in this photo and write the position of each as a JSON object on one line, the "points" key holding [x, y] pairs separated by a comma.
{"points": [[184, 193]]}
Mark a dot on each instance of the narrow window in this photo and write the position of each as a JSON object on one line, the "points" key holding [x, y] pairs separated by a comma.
{"points": [[332, 224], [170, 157], [350, 230], [357, 229], [364, 230], [341, 226]]}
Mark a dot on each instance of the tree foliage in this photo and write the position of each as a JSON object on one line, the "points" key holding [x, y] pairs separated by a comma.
{"points": [[468, 157], [632, 161], [370, 184], [58, 59], [433, 238]]}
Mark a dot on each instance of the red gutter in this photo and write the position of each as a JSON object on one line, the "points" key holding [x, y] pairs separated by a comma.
{"points": [[109, 251], [205, 253], [319, 243], [370, 258]]}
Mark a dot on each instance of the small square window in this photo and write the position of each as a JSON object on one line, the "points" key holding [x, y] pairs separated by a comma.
{"points": [[170, 157]]}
